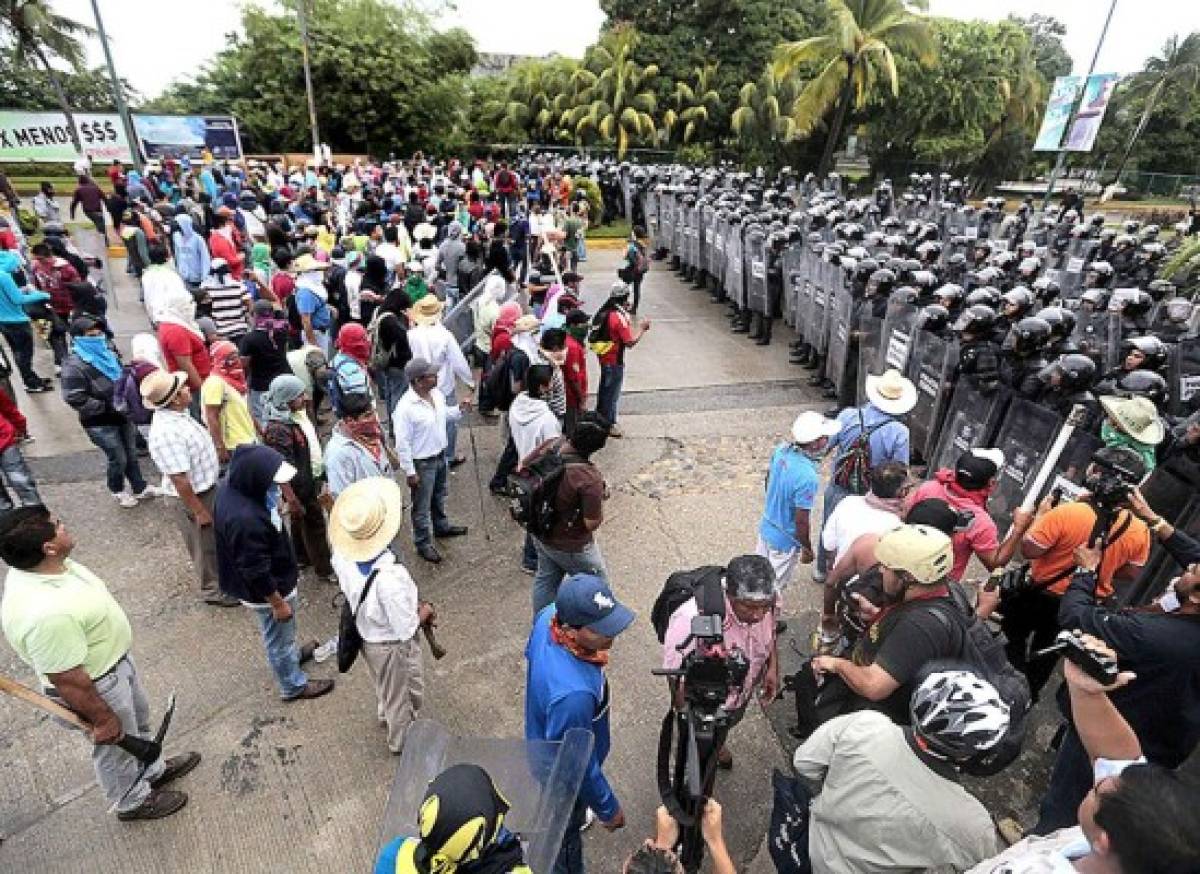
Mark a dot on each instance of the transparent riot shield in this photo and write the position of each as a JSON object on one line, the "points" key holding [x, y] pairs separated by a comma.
{"points": [[1025, 436], [94, 249], [931, 367], [970, 421], [793, 286], [666, 219], [708, 217], [1098, 335], [1184, 375], [899, 325], [824, 296], [540, 779], [716, 267], [755, 250], [840, 328], [694, 232], [735, 286], [650, 210], [870, 342], [806, 325]]}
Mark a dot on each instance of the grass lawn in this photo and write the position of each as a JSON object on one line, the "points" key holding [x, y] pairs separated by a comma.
{"points": [[618, 230]]}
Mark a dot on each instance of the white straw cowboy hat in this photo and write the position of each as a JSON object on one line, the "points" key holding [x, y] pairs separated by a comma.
{"points": [[1137, 417], [366, 518], [306, 264], [428, 310], [159, 387], [811, 426], [891, 392]]}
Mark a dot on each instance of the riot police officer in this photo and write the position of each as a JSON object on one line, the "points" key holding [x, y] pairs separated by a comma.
{"points": [[1068, 381], [1023, 357], [978, 352]]}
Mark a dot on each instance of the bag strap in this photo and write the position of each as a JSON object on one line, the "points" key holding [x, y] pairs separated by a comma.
{"points": [[1111, 537], [365, 591], [711, 597]]}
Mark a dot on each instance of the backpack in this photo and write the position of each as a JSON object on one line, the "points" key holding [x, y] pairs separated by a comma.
{"points": [[636, 270], [983, 649], [380, 354], [533, 490], [498, 383], [127, 398], [335, 388], [702, 583], [852, 471], [598, 338]]}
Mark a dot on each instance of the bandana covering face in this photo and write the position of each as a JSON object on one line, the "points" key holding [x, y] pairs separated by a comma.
{"points": [[353, 340], [96, 352], [558, 633], [227, 364], [366, 431]]}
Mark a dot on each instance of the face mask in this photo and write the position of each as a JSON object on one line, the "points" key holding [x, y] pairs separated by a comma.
{"points": [[1169, 602]]}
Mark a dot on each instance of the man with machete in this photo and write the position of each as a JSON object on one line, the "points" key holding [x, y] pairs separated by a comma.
{"points": [[65, 624]]}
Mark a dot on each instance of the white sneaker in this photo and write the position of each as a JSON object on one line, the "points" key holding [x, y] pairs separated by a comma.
{"points": [[125, 499], [150, 492]]}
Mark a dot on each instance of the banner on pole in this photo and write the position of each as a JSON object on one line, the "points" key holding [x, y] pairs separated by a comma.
{"points": [[176, 135], [1097, 93], [1063, 95], [46, 137]]}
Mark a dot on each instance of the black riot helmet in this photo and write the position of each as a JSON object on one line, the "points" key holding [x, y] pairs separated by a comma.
{"points": [[1060, 319], [1144, 384], [1029, 336], [934, 318], [1152, 349], [977, 321], [1096, 298], [1016, 302], [1135, 305], [1161, 289], [950, 296], [905, 294], [1076, 372], [881, 282], [1099, 274], [985, 296], [1047, 290]]}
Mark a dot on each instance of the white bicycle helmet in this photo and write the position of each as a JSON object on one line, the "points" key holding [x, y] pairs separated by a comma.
{"points": [[958, 714]]}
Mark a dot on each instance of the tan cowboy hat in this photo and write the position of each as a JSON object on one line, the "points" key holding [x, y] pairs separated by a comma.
{"points": [[525, 324], [306, 264], [1137, 417], [160, 386], [366, 517], [428, 310], [891, 392]]}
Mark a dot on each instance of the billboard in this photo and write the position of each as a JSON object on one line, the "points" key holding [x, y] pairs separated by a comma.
{"points": [[162, 135], [1058, 112], [1096, 94], [45, 136]]}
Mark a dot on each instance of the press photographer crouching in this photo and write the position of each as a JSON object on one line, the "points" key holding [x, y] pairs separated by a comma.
{"points": [[1029, 598], [1160, 643]]}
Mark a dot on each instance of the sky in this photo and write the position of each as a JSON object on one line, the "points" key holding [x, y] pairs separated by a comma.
{"points": [[150, 50]]}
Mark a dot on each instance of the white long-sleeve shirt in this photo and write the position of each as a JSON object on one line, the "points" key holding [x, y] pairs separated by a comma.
{"points": [[437, 345], [420, 427], [390, 611]]}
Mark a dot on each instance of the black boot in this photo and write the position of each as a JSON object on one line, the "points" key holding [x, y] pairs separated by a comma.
{"points": [[814, 362], [755, 326], [764, 334], [741, 323]]}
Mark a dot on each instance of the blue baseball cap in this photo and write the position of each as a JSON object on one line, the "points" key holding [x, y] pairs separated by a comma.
{"points": [[586, 601]]}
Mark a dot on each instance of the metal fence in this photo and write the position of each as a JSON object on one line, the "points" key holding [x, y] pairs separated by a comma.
{"points": [[1172, 185]]}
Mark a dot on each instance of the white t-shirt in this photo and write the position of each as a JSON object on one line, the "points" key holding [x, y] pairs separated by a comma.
{"points": [[852, 518]]}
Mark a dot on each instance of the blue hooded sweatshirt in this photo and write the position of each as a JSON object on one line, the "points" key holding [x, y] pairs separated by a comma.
{"points": [[12, 298], [563, 692], [191, 252], [254, 558]]}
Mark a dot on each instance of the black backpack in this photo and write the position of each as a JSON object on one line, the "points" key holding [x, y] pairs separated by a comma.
{"points": [[702, 583], [983, 650], [498, 385], [533, 490]]}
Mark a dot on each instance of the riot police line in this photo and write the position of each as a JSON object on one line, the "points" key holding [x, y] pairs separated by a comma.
{"points": [[1003, 322]]}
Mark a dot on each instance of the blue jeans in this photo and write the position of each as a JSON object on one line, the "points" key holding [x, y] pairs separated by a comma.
{"points": [[1070, 781], [554, 564], [392, 386], [429, 499], [609, 393], [255, 399], [451, 428], [279, 639], [119, 444], [570, 854], [20, 338], [529, 557], [19, 478]]}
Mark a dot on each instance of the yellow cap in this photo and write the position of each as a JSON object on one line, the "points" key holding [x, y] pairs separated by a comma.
{"points": [[922, 551]]}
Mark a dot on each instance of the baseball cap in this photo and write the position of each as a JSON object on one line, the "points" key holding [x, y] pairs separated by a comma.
{"points": [[586, 601], [976, 467], [924, 552]]}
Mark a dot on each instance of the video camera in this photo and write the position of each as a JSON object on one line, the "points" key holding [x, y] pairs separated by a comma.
{"points": [[709, 673], [1111, 484]]}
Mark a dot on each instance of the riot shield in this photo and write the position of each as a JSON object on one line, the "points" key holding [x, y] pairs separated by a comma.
{"points": [[794, 272], [755, 250], [842, 324], [970, 421], [735, 286], [666, 220], [1025, 436], [1098, 335], [1184, 371], [708, 217], [931, 367], [540, 779], [870, 342], [650, 210], [899, 325], [716, 264]]}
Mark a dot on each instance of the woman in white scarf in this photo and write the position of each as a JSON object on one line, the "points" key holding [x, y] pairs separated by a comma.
{"points": [[178, 309]]}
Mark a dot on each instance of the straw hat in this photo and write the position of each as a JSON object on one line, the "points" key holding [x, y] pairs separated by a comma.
{"points": [[366, 517], [525, 324], [1137, 417], [428, 310], [307, 263], [159, 387], [891, 392]]}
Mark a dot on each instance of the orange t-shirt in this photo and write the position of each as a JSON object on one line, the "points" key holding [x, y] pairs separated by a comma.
{"points": [[1070, 525]]}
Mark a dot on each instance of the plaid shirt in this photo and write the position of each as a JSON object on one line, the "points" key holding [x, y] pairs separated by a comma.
{"points": [[180, 444]]}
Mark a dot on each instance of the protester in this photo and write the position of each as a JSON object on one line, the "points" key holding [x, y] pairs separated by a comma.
{"points": [[14, 430], [226, 301], [221, 246], [356, 448], [15, 324], [64, 623], [613, 335], [312, 302], [89, 196], [430, 340], [566, 688], [348, 373], [390, 350], [181, 341], [264, 355], [191, 254], [389, 612], [223, 396], [54, 276]]}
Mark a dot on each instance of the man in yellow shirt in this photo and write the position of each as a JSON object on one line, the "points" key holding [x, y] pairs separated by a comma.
{"points": [[63, 622]]}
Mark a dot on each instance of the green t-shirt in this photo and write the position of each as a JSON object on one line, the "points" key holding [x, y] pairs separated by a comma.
{"points": [[64, 621], [572, 228]]}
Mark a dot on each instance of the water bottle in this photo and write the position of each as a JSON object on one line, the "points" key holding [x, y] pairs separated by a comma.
{"points": [[325, 650]]}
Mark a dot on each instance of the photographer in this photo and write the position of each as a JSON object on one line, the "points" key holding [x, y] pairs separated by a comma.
{"points": [[1031, 608], [1160, 643], [658, 856], [749, 628]]}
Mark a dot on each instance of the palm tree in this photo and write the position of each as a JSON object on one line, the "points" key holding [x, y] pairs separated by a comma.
{"points": [[1177, 63], [761, 112], [695, 105], [616, 101], [35, 32], [1023, 92], [538, 95], [856, 51]]}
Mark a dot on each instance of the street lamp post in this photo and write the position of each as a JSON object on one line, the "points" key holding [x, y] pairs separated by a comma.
{"points": [[301, 6], [118, 92]]}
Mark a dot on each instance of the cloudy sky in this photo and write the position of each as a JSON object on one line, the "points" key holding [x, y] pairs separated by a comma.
{"points": [[152, 49]]}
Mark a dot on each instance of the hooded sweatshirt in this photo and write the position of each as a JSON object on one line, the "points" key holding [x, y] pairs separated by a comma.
{"points": [[450, 253], [254, 555], [12, 299], [191, 255], [532, 423]]}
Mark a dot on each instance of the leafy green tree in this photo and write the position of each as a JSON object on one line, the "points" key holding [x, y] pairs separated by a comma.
{"points": [[761, 121], [541, 94], [35, 34], [1046, 37], [616, 103], [24, 87], [856, 52], [696, 106]]}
